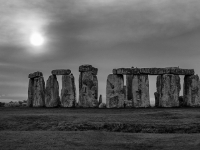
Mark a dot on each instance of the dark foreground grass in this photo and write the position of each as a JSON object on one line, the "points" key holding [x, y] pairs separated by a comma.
{"points": [[173, 120], [61, 140]]}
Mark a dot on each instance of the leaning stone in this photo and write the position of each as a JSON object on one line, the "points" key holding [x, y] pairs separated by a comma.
{"points": [[100, 99], [68, 92], [30, 92], [61, 72], [88, 89], [140, 91], [168, 88], [102, 105], [52, 98], [191, 91], [114, 91], [35, 74], [39, 92]]}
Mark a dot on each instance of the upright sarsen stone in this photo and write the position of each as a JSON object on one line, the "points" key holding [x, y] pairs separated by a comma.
{"points": [[115, 91], [52, 98], [191, 91], [30, 92], [39, 92], [88, 89], [68, 92], [129, 79], [140, 91], [168, 89]]}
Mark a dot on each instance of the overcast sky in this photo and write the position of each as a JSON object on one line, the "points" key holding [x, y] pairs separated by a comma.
{"points": [[104, 33]]}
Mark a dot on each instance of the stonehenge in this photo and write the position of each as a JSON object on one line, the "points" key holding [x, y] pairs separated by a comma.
{"points": [[134, 93], [88, 86]]}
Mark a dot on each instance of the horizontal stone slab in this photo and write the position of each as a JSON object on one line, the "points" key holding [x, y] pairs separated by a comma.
{"points": [[87, 68], [154, 71], [61, 72], [35, 74]]}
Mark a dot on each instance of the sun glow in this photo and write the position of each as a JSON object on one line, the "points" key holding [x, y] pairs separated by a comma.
{"points": [[36, 39]]}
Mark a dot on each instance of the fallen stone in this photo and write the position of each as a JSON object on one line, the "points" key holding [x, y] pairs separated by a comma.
{"points": [[39, 92], [88, 90], [68, 92], [52, 98], [30, 92], [61, 72], [128, 103], [168, 89], [102, 105], [87, 68], [35, 74], [115, 91], [191, 91], [100, 99], [140, 91]]}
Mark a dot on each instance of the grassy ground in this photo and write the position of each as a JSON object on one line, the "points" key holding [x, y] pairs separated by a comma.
{"points": [[59, 128]]}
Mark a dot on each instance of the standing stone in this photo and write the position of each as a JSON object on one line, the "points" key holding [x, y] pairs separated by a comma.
{"points": [[156, 99], [52, 98], [88, 89], [191, 91], [168, 88], [115, 91], [129, 94], [30, 93], [100, 99], [68, 92], [39, 92], [140, 91]]}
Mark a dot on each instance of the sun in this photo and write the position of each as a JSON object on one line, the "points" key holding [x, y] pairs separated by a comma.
{"points": [[36, 39]]}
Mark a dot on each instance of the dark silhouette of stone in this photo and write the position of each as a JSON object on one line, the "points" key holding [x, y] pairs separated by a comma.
{"points": [[30, 92], [35, 74], [115, 91], [100, 99], [191, 91], [61, 72], [156, 95], [129, 94], [39, 92], [140, 91], [52, 98], [88, 89], [68, 92], [168, 88], [181, 101]]}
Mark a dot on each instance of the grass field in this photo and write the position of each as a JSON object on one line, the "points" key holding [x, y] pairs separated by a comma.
{"points": [[60, 128]]}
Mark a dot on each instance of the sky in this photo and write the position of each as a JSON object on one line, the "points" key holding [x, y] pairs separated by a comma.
{"points": [[104, 33]]}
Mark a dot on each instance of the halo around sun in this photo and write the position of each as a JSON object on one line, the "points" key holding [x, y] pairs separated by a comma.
{"points": [[36, 39]]}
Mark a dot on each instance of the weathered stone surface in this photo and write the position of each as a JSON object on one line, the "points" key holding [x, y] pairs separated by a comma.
{"points": [[68, 92], [52, 98], [100, 99], [168, 88], [114, 91], [140, 91], [191, 91], [102, 105], [181, 101], [124, 91], [153, 71], [156, 95], [30, 93], [128, 103], [35, 74], [61, 72], [87, 68], [88, 89], [39, 92]]}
